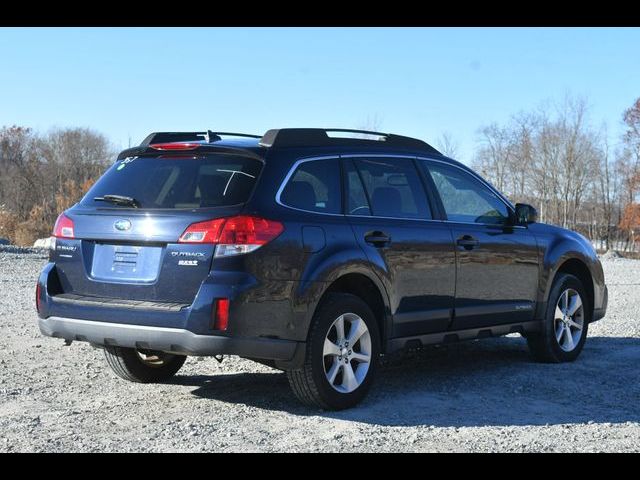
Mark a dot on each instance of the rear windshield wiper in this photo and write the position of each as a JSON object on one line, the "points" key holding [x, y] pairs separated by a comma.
{"points": [[118, 200]]}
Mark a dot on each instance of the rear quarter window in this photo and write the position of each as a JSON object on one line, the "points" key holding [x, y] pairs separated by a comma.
{"points": [[179, 182], [314, 186]]}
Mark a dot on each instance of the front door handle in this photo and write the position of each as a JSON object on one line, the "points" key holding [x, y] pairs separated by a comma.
{"points": [[377, 239], [467, 242]]}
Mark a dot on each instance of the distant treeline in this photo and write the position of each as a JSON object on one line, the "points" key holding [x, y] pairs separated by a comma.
{"points": [[553, 158], [42, 175], [556, 160]]}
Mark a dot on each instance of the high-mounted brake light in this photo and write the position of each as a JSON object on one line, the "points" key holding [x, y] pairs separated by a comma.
{"points": [[175, 146], [63, 227], [233, 236]]}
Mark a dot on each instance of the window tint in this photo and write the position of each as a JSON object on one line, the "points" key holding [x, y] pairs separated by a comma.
{"points": [[465, 198], [171, 182], [357, 203], [315, 186], [393, 187]]}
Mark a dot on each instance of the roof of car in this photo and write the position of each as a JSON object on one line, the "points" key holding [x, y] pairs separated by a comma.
{"points": [[298, 139]]}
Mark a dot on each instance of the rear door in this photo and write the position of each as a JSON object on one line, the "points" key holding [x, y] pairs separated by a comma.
{"points": [[133, 253], [413, 254], [497, 263]]}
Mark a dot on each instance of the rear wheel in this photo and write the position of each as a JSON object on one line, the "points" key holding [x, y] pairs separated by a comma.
{"points": [[143, 366], [566, 322], [342, 354]]}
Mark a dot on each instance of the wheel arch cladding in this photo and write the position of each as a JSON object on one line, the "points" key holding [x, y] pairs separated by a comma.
{"points": [[579, 269], [368, 291]]}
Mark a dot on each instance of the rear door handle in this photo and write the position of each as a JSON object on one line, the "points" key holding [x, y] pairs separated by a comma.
{"points": [[377, 239], [467, 242]]}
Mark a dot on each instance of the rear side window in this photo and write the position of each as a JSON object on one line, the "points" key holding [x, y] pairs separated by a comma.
{"points": [[394, 188], [179, 182], [314, 186]]}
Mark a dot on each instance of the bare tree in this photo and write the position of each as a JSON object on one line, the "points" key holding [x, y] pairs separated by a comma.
{"points": [[494, 155], [555, 159], [372, 123], [44, 174], [448, 145]]}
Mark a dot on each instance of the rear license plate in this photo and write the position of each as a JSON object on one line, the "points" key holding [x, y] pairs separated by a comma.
{"points": [[126, 263]]}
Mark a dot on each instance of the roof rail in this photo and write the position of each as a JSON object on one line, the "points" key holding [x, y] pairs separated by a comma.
{"points": [[208, 136], [317, 137]]}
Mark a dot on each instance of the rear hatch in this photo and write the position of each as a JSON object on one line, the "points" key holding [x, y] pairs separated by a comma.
{"points": [[126, 229]]}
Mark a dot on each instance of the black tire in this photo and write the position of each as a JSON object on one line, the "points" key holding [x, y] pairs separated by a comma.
{"points": [[543, 345], [128, 364], [310, 383]]}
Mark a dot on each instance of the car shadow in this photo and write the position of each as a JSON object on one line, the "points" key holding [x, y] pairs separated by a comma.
{"points": [[489, 382]]}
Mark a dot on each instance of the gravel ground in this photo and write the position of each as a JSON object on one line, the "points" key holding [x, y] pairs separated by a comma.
{"points": [[476, 396]]}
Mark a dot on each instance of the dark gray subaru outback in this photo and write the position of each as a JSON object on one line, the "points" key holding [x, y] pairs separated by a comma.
{"points": [[313, 251]]}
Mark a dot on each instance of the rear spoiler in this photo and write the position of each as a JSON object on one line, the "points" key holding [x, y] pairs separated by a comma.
{"points": [[207, 136]]}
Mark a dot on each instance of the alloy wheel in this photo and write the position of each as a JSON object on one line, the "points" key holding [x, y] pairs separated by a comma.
{"points": [[568, 320], [347, 353]]}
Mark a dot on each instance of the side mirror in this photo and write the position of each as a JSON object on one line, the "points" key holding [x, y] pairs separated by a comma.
{"points": [[525, 214]]}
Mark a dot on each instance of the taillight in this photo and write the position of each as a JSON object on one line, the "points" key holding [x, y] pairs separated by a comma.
{"points": [[221, 316], [63, 227], [233, 236], [175, 146], [244, 234], [38, 296], [202, 232]]}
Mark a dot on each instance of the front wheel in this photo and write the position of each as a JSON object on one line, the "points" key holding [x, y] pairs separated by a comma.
{"points": [[565, 325], [143, 366], [342, 354]]}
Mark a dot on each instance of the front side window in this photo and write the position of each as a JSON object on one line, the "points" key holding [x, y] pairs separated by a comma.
{"points": [[314, 186], [465, 198], [393, 188]]}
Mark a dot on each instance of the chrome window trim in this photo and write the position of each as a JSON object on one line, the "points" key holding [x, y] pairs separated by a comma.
{"points": [[485, 224], [432, 220], [375, 155], [300, 161]]}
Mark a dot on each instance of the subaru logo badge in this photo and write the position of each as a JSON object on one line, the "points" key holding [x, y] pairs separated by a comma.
{"points": [[122, 225]]}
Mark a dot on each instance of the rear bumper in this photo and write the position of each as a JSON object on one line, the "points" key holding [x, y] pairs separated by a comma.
{"points": [[174, 340]]}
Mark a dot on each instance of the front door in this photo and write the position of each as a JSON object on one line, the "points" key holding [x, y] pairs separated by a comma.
{"points": [[496, 261]]}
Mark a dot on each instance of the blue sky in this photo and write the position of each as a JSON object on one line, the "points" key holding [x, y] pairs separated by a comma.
{"points": [[415, 81]]}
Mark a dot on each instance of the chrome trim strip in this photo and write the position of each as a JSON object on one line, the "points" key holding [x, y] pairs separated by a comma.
{"points": [[433, 220], [485, 224], [375, 155]]}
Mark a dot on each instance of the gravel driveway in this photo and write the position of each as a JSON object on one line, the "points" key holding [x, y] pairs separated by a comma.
{"points": [[476, 396]]}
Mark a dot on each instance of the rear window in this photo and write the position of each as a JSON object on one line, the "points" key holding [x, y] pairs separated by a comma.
{"points": [[179, 182]]}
